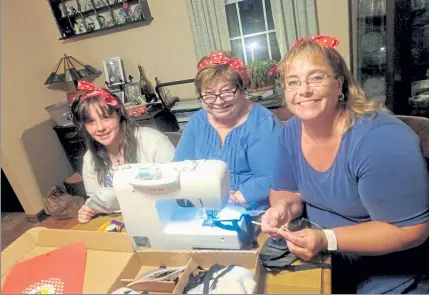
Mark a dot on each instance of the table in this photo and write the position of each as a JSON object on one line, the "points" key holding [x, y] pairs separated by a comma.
{"points": [[313, 281]]}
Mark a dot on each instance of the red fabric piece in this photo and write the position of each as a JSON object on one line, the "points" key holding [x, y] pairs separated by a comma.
{"points": [[327, 41], [138, 111], [96, 91], [219, 58], [60, 271]]}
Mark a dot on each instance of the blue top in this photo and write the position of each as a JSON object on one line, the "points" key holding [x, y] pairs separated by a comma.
{"points": [[378, 174], [248, 150]]}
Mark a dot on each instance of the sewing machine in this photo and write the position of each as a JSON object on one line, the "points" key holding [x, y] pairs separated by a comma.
{"points": [[148, 194]]}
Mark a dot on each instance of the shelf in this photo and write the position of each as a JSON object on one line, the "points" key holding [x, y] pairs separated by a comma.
{"points": [[100, 9], [69, 26], [141, 22]]}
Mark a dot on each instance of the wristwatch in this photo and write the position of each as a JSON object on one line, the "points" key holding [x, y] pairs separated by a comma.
{"points": [[332, 240]]}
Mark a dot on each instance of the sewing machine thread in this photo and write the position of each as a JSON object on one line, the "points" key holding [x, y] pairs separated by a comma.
{"points": [[149, 173]]}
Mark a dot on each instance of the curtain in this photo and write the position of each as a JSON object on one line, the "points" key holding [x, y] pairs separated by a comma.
{"points": [[293, 19], [209, 26]]}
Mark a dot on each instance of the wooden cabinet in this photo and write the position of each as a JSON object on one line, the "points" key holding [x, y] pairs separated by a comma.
{"points": [[391, 52]]}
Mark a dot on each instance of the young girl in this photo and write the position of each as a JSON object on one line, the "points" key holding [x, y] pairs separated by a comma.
{"points": [[112, 139]]}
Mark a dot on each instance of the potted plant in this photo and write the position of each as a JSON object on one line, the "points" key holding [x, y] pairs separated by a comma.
{"points": [[258, 71]]}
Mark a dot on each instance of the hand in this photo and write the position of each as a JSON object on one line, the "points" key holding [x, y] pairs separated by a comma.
{"points": [[305, 243], [276, 217], [236, 197], [85, 214]]}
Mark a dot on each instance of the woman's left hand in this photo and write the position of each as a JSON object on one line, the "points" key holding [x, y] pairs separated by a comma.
{"points": [[238, 198], [305, 243]]}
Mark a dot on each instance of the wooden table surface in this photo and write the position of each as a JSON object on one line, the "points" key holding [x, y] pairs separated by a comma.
{"points": [[313, 281]]}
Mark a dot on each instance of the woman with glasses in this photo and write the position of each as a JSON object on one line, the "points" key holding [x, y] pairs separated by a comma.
{"points": [[353, 169], [232, 129]]}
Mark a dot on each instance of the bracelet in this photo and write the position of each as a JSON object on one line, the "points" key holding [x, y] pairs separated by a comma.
{"points": [[332, 240]]}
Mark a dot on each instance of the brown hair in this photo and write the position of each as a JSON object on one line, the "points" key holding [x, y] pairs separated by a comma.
{"points": [[100, 156], [356, 104], [216, 71]]}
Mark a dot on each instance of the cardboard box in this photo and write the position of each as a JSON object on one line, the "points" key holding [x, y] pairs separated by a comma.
{"points": [[149, 260], [111, 261]]}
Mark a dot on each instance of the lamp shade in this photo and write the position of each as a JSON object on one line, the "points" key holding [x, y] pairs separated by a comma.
{"points": [[70, 69]]}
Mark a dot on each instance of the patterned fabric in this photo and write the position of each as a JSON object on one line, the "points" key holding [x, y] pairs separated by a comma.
{"points": [[108, 180], [49, 286], [95, 91], [327, 41], [218, 58], [293, 19], [209, 26]]}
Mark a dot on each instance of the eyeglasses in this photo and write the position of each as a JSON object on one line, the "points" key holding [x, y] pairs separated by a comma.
{"points": [[226, 96], [315, 80]]}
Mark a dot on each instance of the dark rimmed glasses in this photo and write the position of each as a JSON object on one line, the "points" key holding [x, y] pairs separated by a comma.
{"points": [[314, 80], [226, 96]]}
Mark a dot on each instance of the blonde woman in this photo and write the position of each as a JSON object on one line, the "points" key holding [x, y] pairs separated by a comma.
{"points": [[357, 171]]}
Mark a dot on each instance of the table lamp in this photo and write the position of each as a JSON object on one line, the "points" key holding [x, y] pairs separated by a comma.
{"points": [[69, 69]]}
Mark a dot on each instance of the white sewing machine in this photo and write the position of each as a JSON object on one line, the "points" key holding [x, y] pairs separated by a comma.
{"points": [[147, 195]]}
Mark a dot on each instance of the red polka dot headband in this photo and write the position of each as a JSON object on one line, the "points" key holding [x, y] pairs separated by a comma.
{"points": [[96, 91], [326, 41], [218, 58]]}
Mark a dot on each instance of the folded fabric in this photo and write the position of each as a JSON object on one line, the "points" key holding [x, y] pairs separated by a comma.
{"points": [[275, 255], [221, 280]]}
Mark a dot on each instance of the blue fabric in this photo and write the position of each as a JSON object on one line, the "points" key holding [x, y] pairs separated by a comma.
{"points": [[248, 150], [379, 173]]}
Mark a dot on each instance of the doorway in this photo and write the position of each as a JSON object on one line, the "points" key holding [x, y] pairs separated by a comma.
{"points": [[9, 200]]}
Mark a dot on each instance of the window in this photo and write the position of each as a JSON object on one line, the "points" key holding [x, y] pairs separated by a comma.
{"points": [[251, 30]]}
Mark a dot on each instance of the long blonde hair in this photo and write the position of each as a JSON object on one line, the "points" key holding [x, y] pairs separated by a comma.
{"points": [[355, 104]]}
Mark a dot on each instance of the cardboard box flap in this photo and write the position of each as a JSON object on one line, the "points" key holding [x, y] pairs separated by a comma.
{"points": [[107, 254], [18, 249], [104, 241]]}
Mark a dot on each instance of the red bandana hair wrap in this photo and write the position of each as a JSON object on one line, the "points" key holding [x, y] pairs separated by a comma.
{"points": [[96, 91], [218, 58], [326, 41]]}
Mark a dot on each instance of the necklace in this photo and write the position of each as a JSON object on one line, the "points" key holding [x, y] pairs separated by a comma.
{"points": [[117, 160]]}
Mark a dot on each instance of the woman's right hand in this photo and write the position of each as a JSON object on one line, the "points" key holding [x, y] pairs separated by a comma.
{"points": [[276, 217], [85, 214]]}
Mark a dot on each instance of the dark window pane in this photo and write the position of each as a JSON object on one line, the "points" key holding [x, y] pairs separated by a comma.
{"points": [[275, 51], [270, 21], [232, 19], [237, 49], [252, 16], [261, 50]]}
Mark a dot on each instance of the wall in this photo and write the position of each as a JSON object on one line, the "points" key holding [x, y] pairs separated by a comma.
{"points": [[30, 49], [333, 18]]}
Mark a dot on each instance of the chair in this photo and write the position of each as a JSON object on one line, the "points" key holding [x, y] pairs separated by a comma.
{"points": [[420, 126], [174, 137]]}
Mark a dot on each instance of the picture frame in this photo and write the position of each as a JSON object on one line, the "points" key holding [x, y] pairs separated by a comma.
{"points": [[114, 71], [132, 92]]}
